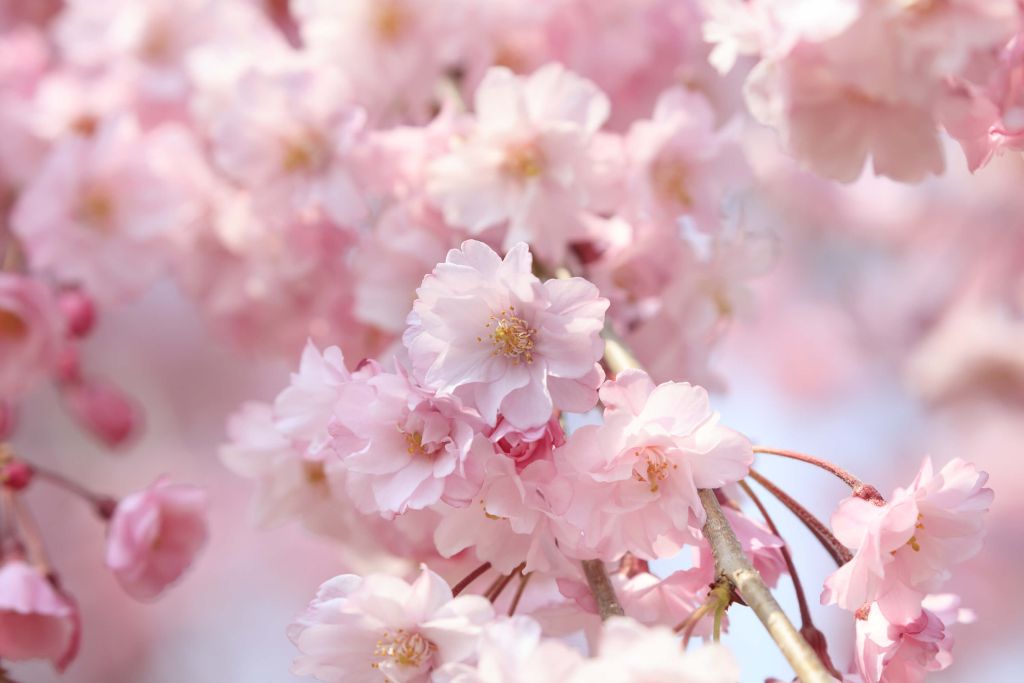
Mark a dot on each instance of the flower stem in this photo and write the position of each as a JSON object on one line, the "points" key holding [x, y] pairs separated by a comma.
{"points": [[839, 552], [470, 578], [523, 580], [732, 564], [860, 489], [104, 505]]}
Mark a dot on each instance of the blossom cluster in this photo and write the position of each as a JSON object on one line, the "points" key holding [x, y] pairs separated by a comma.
{"points": [[463, 213]]}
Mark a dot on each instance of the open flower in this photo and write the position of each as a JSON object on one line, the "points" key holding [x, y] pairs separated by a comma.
{"points": [[631, 652], [37, 620], [637, 474], [403, 445], [487, 330], [526, 163], [31, 332], [904, 548], [154, 537], [363, 630]]}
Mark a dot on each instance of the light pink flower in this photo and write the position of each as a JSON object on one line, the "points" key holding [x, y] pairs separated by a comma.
{"points": [[488, 331], [105, 201], [513, 516], [154, 537], [526, 162], [403, 445], [289, 138], [360, 630], [37, 619], [680, 165], [393, 51], [904, 652], [513, 651], [631, 652], [31, 332], [637, 474], [904, 549]]}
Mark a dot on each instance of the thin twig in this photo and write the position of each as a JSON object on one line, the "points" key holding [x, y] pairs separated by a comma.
{"points": [[840, 553], [470, 578], [523, 580], [104, 505], [860, 489]]}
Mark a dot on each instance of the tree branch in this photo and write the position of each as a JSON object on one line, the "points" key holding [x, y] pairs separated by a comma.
{"points": [[735, 567], [602, 588]]}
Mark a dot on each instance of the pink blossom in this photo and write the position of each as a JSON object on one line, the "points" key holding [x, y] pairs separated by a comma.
{"points": [[680, 165], [154, 537], [37, 619], [488, 331], [104, 201], [637, 474], [904, 548], [360, 629], [31, 332], [513, 651], [512, 518], [103, 410], [394, 51], [631, 652], [526, 161], [289, 138], [906, 652], [289, 484], [403, 445]]}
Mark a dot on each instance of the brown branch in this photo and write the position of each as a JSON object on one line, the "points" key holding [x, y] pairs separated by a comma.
{"points": [[601, 586], [732, 564]]}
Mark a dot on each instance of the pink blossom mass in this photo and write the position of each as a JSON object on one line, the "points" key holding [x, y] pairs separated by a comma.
{"points": [[577, 340]]}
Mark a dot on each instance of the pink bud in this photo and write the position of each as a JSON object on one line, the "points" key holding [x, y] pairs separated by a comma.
{"points": [[68, 369], [79, 312], [102, 409], [37, 619], [16, 474]]}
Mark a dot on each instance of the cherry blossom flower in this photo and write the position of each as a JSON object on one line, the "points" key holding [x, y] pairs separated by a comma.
{"points": [[103, 409], [37, 619], [104, 201], [630, 651], [360, 629], [154, 537], [681, 165], [395, 50], [289, 137], [486, 330], [902, 652], [31, 332], [905, 547], [526, 162], [513, 651], [403, 445], [637, 474]]}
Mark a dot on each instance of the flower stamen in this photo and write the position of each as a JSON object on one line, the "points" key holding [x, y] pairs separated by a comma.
{"points": [[403, 649], [512, 337]]}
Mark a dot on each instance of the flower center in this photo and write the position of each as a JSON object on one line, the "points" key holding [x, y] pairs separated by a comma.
{"points": [[523, 161], [671, 181], [511, 336], [391, 22], [405, 649], [913, 542], [12, 326], [306, 152], [652, 467], [97, 211], [314, 471]]}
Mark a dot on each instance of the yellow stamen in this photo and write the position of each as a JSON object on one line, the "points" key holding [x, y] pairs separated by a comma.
{"points": [[404, 649], [523, 161], [654, 469], [512, 337]]}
